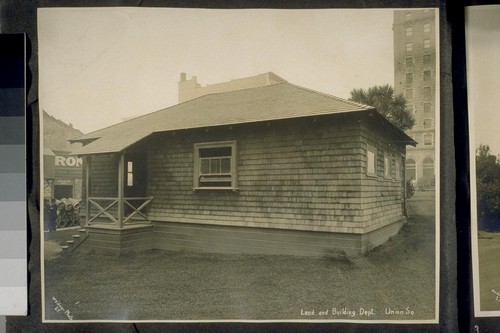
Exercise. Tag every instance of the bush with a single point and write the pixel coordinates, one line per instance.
(410, 189)
(488, 189)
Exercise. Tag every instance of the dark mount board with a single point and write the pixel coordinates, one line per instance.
(20, 16)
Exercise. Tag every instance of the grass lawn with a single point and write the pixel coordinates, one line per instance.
(489, 270)
(163, 285)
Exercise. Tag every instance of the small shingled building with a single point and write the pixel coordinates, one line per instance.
(276, 169)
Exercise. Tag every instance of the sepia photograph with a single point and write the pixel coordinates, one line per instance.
(483, 50)
(263, 165)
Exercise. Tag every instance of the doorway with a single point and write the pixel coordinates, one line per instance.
(136, 179)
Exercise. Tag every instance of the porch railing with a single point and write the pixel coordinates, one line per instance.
(108, 210)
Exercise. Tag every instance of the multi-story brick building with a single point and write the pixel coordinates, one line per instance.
(415, 77)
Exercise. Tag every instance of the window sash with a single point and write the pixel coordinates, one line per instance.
(215, 165)
(427, 75)
(427, 107)
(427, 139)
(371, 163)
(409, 78)
(409, 61)
(387, 166)
(427, 91)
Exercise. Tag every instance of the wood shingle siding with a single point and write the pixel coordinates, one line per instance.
(311, 180)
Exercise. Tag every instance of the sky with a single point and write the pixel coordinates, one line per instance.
(98, 66)
(483, 74)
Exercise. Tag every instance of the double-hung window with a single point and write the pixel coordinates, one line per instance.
(215, 165)
(387, 166)
(371, 161)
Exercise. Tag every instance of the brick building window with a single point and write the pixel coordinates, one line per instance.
(428, 139)
(428, 167)
(409, 93)
(409, 31)
(427, 27)
(411, 169)
(427, 91)
(427, 75)
(427, 107)
(427, 43)
(215, 165)
(427, 59)
(410, 109)
(427, 123)
(409, 61)
(409, 78)
(408, 16)
(409, 47)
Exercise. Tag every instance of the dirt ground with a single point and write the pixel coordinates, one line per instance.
(396, 281)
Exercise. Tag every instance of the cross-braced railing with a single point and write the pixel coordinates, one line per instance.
(109, 207)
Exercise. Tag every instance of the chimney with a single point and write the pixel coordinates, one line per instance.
(188, 88)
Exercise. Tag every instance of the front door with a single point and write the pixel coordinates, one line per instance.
(136, 180)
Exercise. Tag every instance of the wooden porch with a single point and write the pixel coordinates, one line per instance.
(119, 210)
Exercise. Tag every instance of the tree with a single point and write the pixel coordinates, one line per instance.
(391, 106)
(487, 188)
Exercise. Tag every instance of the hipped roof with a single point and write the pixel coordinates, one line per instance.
(267, 103)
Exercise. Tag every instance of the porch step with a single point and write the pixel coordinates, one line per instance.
(75, 241)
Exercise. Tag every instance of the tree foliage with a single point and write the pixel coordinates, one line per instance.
(488, 188)
(390, 105)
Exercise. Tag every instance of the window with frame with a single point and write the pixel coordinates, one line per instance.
(215, 165)
(409, 93)
(409, 61)
(409, 108)
(428, 139)
(427, 91)
(427, 43)
(397, 167)
(428, 167)
(411, 169)
(408, 16)
(409, 31)
(130, 173)
(387, 166)
(371, 161)
(409, 78)
(427, 107)
(427, 123)
(427, 75)
(409, 47)
(427, 59)
(427, 27)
